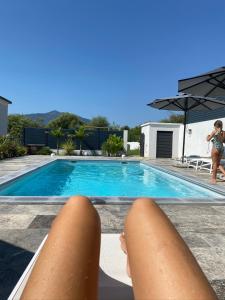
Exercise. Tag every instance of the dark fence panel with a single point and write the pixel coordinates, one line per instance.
(35, 136)
(43, 137)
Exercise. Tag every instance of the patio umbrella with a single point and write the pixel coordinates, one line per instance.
(210, 84)
(187, 103)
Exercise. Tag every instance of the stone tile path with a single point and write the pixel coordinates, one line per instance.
(22, 228)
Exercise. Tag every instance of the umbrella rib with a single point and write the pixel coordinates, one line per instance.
(205, 80)
(213, 84)
(198, 104)
(220, 81)
(172, 102)
(216, 101)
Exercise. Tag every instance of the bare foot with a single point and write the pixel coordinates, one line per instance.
(124, 248)
(213, 181)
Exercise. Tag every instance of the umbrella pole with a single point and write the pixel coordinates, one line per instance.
(185, 119)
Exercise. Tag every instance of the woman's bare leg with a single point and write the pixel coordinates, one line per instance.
(68, 265)
(162, 266)
(221, 167)
(215, 162)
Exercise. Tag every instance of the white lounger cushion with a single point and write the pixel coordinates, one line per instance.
(114, 284)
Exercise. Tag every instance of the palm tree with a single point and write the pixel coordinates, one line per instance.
(80, 135)
(58, 133)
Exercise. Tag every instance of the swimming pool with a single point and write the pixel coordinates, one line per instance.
(103, 178)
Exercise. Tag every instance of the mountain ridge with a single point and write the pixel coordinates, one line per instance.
(49, 116)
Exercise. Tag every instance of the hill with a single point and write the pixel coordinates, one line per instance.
(49, 116)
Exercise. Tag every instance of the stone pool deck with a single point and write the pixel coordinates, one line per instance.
(22, 228)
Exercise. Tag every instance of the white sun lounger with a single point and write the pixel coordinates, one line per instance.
(206, 164)
(194, 163)
(200, 163)
(113, 280)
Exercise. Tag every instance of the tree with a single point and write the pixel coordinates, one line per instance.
(134, 134)
(65, 121)
(16, 124)
(174, 118)
(125, 127)
(114, 126)
(58, 133)
(99, 121)
(80, 135)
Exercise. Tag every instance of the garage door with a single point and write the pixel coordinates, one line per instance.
(164, 144)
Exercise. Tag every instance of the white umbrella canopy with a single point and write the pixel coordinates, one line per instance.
(210, 84)
(187, 103)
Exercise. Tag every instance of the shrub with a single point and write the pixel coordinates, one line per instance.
(135, 152)
(68, 147)
(11, 148)
(113, 146)
(44, 151)
(21, 150)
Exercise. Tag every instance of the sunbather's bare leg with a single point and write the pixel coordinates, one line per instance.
(68, 265)
(124, 248)
(162, 267)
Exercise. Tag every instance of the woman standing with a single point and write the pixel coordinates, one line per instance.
(217, 136)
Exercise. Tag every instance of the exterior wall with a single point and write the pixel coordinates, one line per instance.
(146, 131)
(134, 145)
(196, 143)
(205, 115)
(3, 117)
(125, 139)
(150, 132)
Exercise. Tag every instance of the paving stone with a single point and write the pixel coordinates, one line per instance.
(214, 239)
(6, 209)
(42, 221)
(36, 209)
(212, 264)
(199, 222)
(28, 239)
(10, 221)
(191, 210)
(194, 240)
(219, 287)
(219, 209)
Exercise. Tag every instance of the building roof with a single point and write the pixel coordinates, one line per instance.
(6, 100)
(160, 124)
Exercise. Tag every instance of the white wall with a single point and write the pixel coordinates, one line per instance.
(150, 131)
(145, 129)
(196, 143)
(125, 139)
(3, 117)
(134, 145)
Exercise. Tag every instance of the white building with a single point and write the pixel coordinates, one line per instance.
(4, 115)
(133, 145)
(161, 140)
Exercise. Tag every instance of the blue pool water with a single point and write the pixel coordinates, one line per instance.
(103, 178)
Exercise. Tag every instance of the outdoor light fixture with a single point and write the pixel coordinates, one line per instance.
(189, 131)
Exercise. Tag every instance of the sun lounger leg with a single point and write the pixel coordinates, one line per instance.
(161, 264)
(68, 265)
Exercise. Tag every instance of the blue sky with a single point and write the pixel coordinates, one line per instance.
(105, 57)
